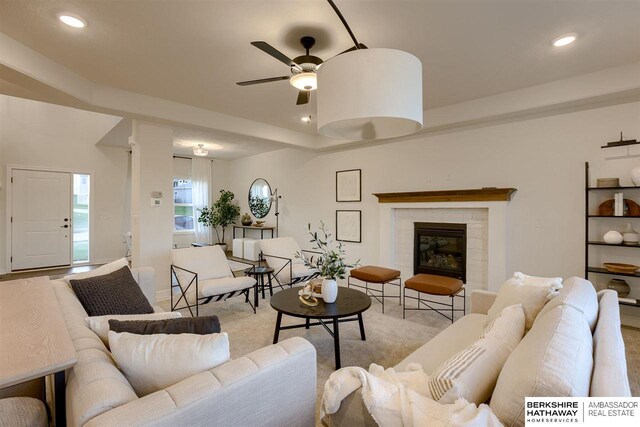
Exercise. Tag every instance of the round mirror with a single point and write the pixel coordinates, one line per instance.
(260, 198)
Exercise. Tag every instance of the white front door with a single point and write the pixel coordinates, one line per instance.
(40, 219)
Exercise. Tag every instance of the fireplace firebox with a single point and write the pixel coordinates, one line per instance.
(441, 249)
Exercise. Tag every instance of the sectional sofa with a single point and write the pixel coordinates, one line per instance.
(249, 390)
(574, 348)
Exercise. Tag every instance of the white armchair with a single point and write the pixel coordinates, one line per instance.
(202, 274)
(280, 254)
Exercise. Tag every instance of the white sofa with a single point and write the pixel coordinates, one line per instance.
(246, 391)
(532, 369)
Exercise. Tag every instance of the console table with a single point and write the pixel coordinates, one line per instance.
(34, 340)
(251, 227)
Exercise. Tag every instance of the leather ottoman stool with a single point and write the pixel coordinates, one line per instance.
(377, 276)
(431, 284)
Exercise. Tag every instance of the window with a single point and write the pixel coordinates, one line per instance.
(80, 222)
(183, 214)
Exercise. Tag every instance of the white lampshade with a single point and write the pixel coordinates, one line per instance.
(370, 94)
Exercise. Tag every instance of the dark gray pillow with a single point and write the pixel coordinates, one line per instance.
(182, 325)
(113, 293)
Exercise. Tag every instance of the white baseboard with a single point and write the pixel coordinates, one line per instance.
(630, 321)
(163, 295)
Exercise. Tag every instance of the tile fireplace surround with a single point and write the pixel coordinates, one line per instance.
(486, 236)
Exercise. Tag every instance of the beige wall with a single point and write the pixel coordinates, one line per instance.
(543, 158)
(36, 134)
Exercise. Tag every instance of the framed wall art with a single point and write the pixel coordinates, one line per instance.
(349, 226)
(349, 185)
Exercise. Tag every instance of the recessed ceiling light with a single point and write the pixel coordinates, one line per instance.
(564, 40)
(306, 119)
(72, 20)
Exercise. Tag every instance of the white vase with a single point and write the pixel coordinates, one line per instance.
(613, 238)
(630, 236)
(329, 290)
(635, 175)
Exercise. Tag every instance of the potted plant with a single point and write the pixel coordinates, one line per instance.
(220, 215)
(330, 263)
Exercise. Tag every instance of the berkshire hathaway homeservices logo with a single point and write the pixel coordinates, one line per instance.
(583, 411)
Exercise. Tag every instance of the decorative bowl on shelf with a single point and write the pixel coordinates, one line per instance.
(259, 223)
(615, 267)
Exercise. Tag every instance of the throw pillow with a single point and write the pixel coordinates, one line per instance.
(472, 373)
(203, 325)
(513, 291)
(100, 271)
(100, 324)
(553, 283)
(113, 293)
(154, 362)
(579, 294)
(554, 359)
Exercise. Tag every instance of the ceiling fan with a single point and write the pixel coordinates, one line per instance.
(303, 68)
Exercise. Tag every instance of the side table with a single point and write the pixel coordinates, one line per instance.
(259, 274)
(34, 340)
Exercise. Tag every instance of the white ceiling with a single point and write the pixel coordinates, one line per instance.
(220, 146)
(193, 52)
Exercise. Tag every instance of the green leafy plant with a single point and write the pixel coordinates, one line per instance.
(331, 262)
(221, 214)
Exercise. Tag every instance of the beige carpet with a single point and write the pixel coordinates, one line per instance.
(389, 338)
(632, 349)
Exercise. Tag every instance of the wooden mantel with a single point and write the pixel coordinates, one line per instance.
(490, 194)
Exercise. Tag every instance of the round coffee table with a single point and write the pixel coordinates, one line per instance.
(348, 307)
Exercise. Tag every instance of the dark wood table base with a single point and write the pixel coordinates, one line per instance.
(335, 333)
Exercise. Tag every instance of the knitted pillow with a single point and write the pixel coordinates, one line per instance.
(183, 325)
(113, 293)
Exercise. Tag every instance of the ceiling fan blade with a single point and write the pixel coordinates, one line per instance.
(303, 97)
(255, 82)
(272, 51)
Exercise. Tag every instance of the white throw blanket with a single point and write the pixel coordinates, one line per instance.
(401, 399)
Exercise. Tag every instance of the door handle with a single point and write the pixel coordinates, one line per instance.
(66, 219)
(64, 226)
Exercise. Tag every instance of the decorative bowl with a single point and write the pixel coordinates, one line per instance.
(615, 267)
(259, 223)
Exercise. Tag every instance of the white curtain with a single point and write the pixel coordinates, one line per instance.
(200, 184)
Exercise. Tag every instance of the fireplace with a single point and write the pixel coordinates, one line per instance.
(441, 249)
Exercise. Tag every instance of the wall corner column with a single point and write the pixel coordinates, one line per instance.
(152, 225)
